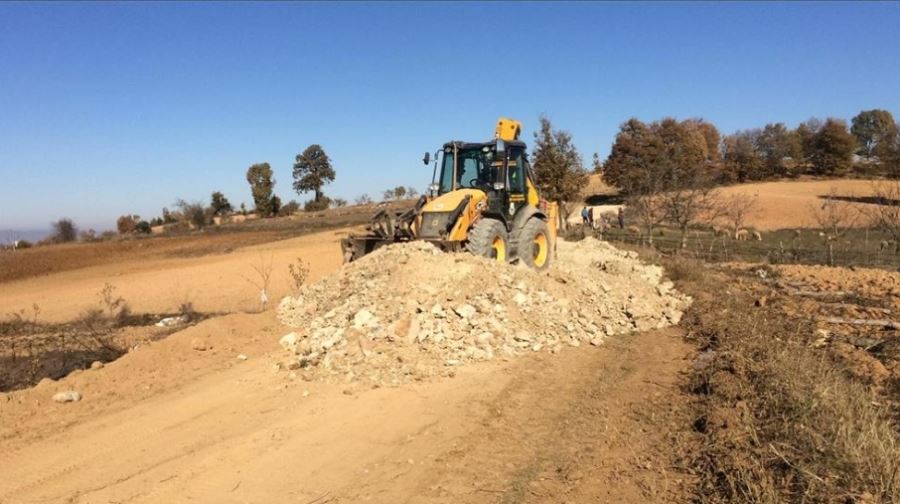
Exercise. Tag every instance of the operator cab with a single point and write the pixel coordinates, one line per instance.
(480, 166)
(497, 168)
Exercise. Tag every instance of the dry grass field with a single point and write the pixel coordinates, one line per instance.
(788, 204)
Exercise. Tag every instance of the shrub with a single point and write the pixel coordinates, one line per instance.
(142, 227)
(126, 224)
(88, 236)
(290, 208)
(193, 213)
(317, 205)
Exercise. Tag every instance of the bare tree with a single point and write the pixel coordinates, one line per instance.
(649, 212)
(885, 213)
(736, 208)
(688, 207)
(835, 217)
(363, 199)
(261, 278)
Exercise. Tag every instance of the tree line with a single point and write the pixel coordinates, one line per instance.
(671, 154)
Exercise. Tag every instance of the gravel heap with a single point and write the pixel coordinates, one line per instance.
(410, 312)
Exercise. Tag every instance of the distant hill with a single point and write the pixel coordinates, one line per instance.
(33, 235)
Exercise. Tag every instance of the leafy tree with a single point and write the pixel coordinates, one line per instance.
(243, 208)
(711, 136)
(363, 199)
(780, 150)
(741, 161)
(411, 192)
(126, 224)
(805, 135)
(399, 192)
(64, 231)
(339, 202)
(664, 155)
(142, 227)
(312, 170)
(220, 204)
(275, 205)
(259, 176)
(874, 130)
(387, 195)
(833, 148)
(557, 166)
(634, 161)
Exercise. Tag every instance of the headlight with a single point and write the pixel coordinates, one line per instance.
(433, 188)
(499, 186)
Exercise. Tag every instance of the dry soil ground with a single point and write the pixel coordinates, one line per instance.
(169, 423)
(213, 282)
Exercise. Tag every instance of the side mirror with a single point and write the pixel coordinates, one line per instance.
(427, 158)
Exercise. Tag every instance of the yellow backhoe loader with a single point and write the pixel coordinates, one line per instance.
(482, 200)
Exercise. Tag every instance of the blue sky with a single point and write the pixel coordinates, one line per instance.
(114, 108)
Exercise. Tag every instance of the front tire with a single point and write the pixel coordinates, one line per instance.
(535, 248)
(488, 238)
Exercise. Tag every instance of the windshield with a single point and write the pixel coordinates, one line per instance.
(475, 170)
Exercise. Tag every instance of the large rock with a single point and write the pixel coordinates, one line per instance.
(67, 396)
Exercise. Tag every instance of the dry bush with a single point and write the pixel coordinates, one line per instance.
(299, 272)
(115, 306)
(682, 269)
(781, 421)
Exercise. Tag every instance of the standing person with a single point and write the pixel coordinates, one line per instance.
(584, 216)
(591, 218)
(621, 216)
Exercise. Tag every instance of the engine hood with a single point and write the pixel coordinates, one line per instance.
(448, 202)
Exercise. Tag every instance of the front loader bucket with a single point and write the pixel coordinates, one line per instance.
(354, 247)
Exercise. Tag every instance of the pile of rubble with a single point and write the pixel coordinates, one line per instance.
(409, 312)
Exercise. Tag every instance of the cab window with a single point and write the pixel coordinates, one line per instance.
(517, 173)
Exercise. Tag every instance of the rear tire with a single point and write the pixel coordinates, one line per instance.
(488, 238)
(534, 247)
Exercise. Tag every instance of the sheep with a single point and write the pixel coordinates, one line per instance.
(757, 236)
(633, 230)
(742, 235)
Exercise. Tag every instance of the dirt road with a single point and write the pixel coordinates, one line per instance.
(583, 426)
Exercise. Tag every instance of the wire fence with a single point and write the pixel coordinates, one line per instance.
(858, 247)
